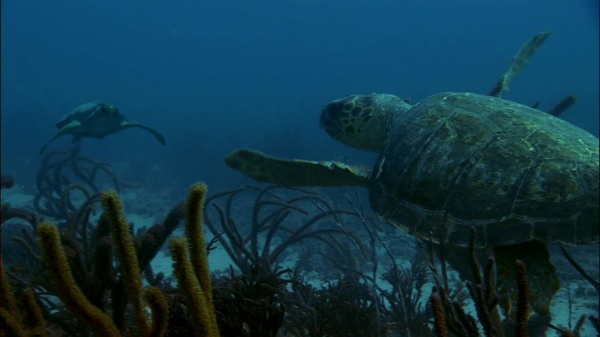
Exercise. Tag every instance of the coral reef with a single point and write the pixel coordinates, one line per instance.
(252, 304)
(450, 316)
(63, 172)
(90, 253)
(346, 307)
(30, 322)
(191, 266)
(276, 223)
(101, 273)
(251, 301)
(97, 296)
(405, 310)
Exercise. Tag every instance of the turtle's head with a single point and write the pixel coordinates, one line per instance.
(103, 110)
(362, 121)
(105, 114)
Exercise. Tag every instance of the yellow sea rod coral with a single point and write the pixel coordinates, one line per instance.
(68, 290)
(127, 257)
(192, 270)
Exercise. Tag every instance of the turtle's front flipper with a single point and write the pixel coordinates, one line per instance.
(65, 130)
(519, 62)
(543, 279)
(294, 172)
(155, 133)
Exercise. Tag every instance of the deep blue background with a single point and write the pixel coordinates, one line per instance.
(217, 75)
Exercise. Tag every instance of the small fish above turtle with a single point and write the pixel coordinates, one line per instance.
(458, 163)
(97, 120)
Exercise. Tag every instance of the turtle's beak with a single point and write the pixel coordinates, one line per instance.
(351, 121)
(331, 115)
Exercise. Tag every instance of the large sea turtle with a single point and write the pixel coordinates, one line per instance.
(96, 120)
(458, 162)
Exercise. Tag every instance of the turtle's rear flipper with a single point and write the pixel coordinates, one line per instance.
(543, 278)
(541, 273)
(155, 133)
(63, 131)
(294, 172)
(519, 62)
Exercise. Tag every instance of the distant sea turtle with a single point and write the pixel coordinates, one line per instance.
(457, 162)
(96, 120)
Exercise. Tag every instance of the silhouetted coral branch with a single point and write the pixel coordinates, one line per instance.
(439, 315)
(290, 220)
(580, 269)
(63, 172)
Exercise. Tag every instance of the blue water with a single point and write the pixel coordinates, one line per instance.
(214, 76)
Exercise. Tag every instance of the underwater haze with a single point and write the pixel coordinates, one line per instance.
(208, 77)
(213, 76)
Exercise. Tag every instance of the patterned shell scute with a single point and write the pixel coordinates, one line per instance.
(79, 113)
(458, 161)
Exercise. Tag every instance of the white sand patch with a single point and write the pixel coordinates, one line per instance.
(162, 263)
(561, 316)
(17, 197)
(218, 260)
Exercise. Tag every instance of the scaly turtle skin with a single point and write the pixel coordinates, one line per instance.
(457, 162)
(96, 120)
